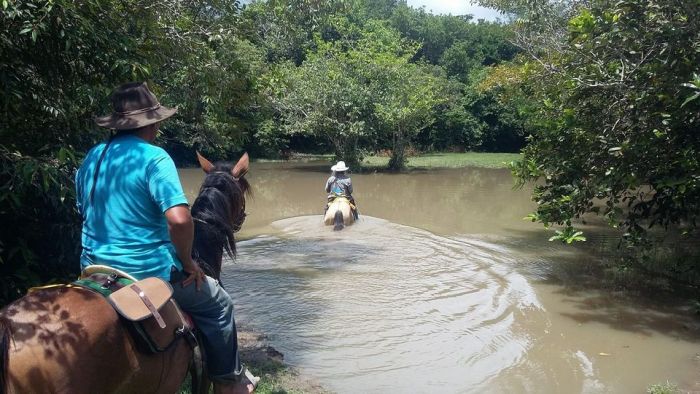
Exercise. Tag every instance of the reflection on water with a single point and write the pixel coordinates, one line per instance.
(464, 307)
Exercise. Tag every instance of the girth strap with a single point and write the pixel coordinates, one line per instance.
(149, 305)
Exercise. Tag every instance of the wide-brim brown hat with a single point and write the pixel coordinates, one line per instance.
(134, 106)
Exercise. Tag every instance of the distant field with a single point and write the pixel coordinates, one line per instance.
(449, 160)
(431, 160)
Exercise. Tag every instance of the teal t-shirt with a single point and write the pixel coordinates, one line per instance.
(124, 225)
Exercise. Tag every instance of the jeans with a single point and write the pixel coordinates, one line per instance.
(211, 308)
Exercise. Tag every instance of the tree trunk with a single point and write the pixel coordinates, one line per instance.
(398, 156)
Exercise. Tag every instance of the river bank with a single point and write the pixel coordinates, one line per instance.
(447, 160)
(419, 161)
(266, 362)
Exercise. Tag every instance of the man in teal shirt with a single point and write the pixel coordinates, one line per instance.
(136, 219)
(124, 223)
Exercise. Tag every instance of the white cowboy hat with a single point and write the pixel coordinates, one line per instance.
(340, 167)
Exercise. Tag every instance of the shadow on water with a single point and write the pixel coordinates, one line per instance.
(639, 316)
(283, 271)
(579, 273)
(292, 265)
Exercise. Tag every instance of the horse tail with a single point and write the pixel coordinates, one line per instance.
(338, 223)
(4, 354)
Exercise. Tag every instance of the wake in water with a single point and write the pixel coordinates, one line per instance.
(390, 308)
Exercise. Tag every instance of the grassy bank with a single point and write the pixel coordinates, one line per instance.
(267, 363)
(428, 160)
(448, 160)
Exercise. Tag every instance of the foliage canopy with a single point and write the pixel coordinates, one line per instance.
(616, 129)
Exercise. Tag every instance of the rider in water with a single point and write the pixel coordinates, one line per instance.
(340, 185)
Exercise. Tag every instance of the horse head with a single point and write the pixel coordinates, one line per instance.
(219, 211)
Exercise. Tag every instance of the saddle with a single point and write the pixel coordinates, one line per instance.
(146, 306)
(334, 197)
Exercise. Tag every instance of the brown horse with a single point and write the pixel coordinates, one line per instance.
(71, 340)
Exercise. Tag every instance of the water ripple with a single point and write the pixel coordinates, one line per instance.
(384, 307)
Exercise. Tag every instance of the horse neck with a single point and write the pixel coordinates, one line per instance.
(212, 211)
(207, 251)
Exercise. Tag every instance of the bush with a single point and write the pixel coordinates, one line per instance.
(40, 235)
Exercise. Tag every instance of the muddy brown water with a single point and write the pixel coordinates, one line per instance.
(441, 286)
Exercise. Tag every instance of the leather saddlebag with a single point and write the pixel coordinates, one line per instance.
(154, 317)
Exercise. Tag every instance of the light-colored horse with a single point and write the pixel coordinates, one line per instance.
(69, 339)
(339, 214)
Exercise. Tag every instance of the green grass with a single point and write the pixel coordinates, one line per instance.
(276, 378)
(428, 160)
(299, 157)
(448, 160)
(663, 388)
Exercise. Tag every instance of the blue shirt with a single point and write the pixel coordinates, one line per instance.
(124, 225)
(339, 184)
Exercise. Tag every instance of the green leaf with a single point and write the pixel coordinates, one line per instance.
(689, 99)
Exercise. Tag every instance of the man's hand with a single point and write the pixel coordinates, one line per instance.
(196, 274)
(181, 229)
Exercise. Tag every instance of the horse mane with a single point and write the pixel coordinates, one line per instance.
(4, 354)
(221, 199)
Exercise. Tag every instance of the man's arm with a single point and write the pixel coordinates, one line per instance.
(328, 184)
(181, 229)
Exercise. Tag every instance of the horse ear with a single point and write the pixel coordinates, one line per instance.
(241, 167)
(204, 163)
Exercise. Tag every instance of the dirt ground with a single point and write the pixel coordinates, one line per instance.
(267, 363)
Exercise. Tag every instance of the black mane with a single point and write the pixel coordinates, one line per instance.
(217, 212)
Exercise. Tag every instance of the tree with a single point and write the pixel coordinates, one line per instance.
(617, 132)
(477, 117)
(357, 85)
(60, 60)
(285, 29)
(409, 95)
(217, 93)
(324, 98)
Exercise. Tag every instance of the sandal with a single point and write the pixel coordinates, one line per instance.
(251, 378)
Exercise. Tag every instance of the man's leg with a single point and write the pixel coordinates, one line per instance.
(355, 211)
(328, 203)
(211, 308)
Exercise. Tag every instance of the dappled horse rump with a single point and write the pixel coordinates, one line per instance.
(152, 334)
